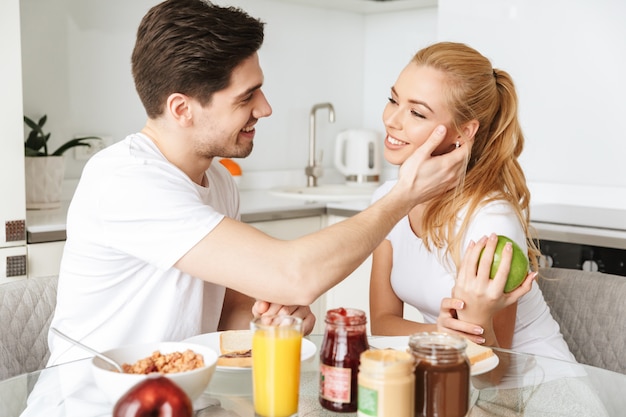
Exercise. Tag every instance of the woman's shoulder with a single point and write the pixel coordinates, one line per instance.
(495, 216)
(490, 208)
(496, 206)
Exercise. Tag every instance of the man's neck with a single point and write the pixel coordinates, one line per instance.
(183, 159)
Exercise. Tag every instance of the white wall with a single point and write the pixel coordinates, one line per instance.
(391, 40)
(568, 58)
(310, 55)
(12, 193)
(77, 70)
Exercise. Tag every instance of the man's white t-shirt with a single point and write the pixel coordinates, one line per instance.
(132, 217)
(422, 278)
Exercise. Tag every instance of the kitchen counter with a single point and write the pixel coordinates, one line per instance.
(594, 226)
(579, 216)
(46, 225)
(347, 209)
(262, 205)
(256, 206)
(558, 222)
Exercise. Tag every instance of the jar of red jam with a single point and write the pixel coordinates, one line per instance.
(345, 338)
(442, 375)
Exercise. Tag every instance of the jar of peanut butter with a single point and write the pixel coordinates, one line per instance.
(386, 384)
(442, 375)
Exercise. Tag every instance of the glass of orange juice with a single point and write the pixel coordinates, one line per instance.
(276, 344)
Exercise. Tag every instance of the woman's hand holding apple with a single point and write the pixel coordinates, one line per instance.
(482, 296)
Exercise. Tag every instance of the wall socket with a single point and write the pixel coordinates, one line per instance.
(83, 153)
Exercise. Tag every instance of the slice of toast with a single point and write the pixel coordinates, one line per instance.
(476, 353)
(235, 348)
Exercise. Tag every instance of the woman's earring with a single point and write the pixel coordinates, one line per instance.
(457, 144)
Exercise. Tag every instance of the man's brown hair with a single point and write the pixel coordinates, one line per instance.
(190, 47)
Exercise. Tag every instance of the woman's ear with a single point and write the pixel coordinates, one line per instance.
(470, 128)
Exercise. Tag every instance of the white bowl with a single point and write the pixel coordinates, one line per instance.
(115, 384)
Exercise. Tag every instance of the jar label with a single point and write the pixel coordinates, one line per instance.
(368, 402)
(335, 383)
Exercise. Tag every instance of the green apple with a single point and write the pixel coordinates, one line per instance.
(519, 264)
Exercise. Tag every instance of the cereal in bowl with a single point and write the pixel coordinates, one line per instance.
(166, 364)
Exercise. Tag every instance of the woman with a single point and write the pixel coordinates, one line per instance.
(430, 258)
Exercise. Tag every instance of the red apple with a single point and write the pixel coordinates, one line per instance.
(156, 396)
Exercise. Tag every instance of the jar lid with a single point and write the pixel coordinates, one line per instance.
(346, 316)
(432, 344)
(387, 361)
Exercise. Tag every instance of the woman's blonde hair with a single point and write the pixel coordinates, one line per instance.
(475, 90)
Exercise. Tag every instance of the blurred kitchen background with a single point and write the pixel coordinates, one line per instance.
(568, 58)
(70, 59)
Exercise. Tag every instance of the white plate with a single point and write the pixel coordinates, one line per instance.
(485, 365)
(212, 340)
(402, 343)
(389, 342)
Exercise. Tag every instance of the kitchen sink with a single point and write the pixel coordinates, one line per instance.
(328, 192)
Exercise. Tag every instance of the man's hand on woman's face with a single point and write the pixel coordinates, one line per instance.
(427, 176)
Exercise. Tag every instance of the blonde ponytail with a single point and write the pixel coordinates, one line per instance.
(475, 90)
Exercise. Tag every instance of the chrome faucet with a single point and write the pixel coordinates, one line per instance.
(314, 169)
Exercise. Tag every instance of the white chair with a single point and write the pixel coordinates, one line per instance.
(590, 307)
(26, 308)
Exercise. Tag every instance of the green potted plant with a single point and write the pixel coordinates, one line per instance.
(44, 170)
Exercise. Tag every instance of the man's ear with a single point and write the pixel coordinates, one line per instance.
(470, 128)
(179, 108)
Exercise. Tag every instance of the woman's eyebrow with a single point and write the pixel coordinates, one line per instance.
(413, 101)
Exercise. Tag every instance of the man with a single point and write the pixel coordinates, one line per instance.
(155, 250)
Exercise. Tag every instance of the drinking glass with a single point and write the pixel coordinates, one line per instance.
(276, 345)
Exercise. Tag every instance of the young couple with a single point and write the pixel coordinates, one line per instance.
(155, 249)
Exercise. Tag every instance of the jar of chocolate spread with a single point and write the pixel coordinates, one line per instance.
(345, 338)
(442, 375)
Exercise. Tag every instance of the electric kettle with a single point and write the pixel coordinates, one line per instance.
(357, 155)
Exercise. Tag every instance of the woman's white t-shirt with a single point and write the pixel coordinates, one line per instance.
(132, 217)
(422, 278)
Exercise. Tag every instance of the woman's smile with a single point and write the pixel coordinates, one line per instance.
(393, 142)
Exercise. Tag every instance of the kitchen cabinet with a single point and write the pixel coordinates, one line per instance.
(353, 291)
(45, 240)
(289, 229)
(12, 195)
(44, 259)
